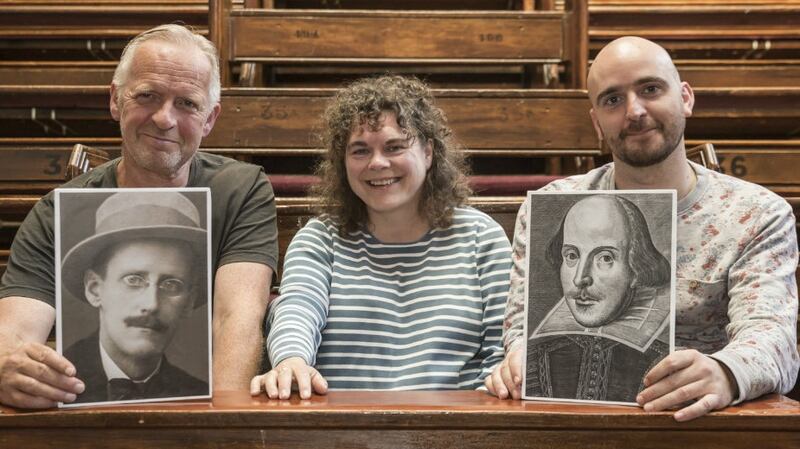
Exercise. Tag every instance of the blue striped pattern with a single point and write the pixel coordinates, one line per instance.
(424, 315)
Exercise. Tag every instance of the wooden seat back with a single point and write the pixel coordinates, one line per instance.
(707, 29)
(522, 123)
(746, 73)
(771, 163)
(76, 30)
(389, 38)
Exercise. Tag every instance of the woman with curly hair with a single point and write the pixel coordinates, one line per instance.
(396, 285)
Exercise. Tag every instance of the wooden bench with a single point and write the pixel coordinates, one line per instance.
(56, 111)
(51, 30)
(67, 73)
(79, 42)
(503, 131)
(507, 132)
(510, 122)
(384, 38)
(275, 121)
(771, 163)
(740, 72)
(745, 113)
(450, 5)
(716, 30)
(519, 119)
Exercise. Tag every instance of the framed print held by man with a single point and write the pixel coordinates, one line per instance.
(600, 293)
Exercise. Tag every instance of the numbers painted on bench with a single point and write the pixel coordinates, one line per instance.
(278, 113)
(736, 167)
(516, 114)
(53, 166)
(307, 34)
(491, 37)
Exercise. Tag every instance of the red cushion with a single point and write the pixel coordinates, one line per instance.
(509, 184)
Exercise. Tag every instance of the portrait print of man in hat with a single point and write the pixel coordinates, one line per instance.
(144, 270)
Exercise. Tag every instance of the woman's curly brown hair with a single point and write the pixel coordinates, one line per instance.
(363, 102)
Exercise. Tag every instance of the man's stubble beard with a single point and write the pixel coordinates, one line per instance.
(165, 164)
(644, 157)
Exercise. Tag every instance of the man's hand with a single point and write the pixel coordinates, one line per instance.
(35, 376)
(506, 379)
(32, 375)
(686, 376)
(278, 381)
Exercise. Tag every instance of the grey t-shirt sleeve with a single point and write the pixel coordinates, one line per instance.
(31, 266)
(249, 226)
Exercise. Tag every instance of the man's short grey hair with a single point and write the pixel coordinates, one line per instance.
(178, 35)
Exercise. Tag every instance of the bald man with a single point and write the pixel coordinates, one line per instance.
(736, 252)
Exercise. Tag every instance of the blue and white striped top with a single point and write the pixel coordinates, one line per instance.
(411, 316)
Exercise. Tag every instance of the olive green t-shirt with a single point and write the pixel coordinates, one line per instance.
(243, 225)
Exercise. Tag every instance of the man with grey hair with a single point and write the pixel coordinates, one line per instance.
(736, 254)
(165, 94)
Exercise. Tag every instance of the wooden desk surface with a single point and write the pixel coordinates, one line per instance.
(463, 419)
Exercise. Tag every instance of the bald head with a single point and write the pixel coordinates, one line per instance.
(627, 53)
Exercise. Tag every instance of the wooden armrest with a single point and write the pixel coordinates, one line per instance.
(83, 159)
(705, 155)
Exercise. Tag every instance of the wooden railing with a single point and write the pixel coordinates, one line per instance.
(396, 420)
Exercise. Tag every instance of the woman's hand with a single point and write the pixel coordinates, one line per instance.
(278, 382)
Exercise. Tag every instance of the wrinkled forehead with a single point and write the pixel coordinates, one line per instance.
(596, 221)
(171, 63)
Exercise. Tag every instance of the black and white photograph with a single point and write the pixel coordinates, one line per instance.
(134, 287)
(600, 293)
